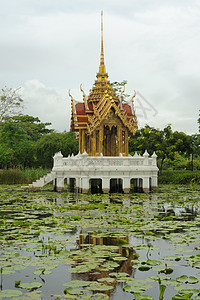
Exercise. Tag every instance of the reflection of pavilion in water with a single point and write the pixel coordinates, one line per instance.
(125, 266)
(186, 213)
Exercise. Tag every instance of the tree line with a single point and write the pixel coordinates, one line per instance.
(26, 142)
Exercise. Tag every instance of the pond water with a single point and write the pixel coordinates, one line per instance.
(69, 246)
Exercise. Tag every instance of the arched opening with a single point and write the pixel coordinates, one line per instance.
(71, 187)
(116, 185)
(136, 185)
(110, 141)
(96, 185)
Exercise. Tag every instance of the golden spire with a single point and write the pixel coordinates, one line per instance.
(102, 53)
(102, 68)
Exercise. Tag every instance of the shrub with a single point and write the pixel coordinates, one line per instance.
(179, 177)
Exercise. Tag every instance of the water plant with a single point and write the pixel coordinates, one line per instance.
(92, 246)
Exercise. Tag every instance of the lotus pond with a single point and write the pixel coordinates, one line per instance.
(69, 246)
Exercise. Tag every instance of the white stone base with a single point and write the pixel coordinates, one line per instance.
(90, 172)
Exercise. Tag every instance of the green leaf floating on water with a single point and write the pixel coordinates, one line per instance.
(77, 283)
(183, 278)
(99, 296)
(119, 275)
(183, 289)
(42, 272)
(97, 286)
(187, 279)
(144, 268)
(142, 297)
(182, 297)
(72, 291)
(136, 289)
(30, 285)
(106, 279)
(10, 293)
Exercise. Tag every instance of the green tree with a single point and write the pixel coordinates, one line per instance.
(33, 127)
(10, 103)
(16, 149)
(54, 142)
(118, 87)
(164, 142)
(18, 137)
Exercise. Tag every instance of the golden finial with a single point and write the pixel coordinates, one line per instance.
(84, 98)
(72, 102)
(121, 98)
(133, 97)
(122, 91)
(102, 53)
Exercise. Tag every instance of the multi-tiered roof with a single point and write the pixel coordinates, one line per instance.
(89, 114)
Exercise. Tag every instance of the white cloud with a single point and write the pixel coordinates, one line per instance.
(49, 104)
(154, 45)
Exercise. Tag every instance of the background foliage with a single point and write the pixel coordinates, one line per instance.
(27, 143)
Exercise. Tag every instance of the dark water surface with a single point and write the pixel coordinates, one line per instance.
(69, 246)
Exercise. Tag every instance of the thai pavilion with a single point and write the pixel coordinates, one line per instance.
(103, 124)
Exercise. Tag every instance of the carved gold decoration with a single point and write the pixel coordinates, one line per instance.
(84, 97)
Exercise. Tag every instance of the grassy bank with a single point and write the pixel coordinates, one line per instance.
(16, 176)
(179, 177)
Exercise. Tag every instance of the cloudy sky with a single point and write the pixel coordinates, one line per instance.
(48, 47)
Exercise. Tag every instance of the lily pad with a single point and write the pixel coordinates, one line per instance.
(144, 268)
(186, 279)
(182, 297)
(136, 289)
(99, 296)
(97, 286)
(77, 283)
(30, 285)
(142, 297)
(72, 291)
(10, 293)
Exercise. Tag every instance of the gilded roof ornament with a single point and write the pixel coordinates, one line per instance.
(72, 102)
(84, 97)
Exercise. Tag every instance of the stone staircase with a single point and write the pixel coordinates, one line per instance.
(40, 182)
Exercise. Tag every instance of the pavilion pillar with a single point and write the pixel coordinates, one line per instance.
(119, 137)
(126, 143)
(154, 182)
(126, 185)
(101, 139)
(146, 184)
(105, 185)
(59, 184)
(80, 140)
(78, 184)
(93, 150)
(85, 185)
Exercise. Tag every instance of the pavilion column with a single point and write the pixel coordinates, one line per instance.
(105, 185)
(85, 185)
(146, 184)
(126, 185)
(93, 150)
(154, 182)
(59, 186)
(80, 140)
(101, 140)
(78, 184)
(119, 137)
(126, 143)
